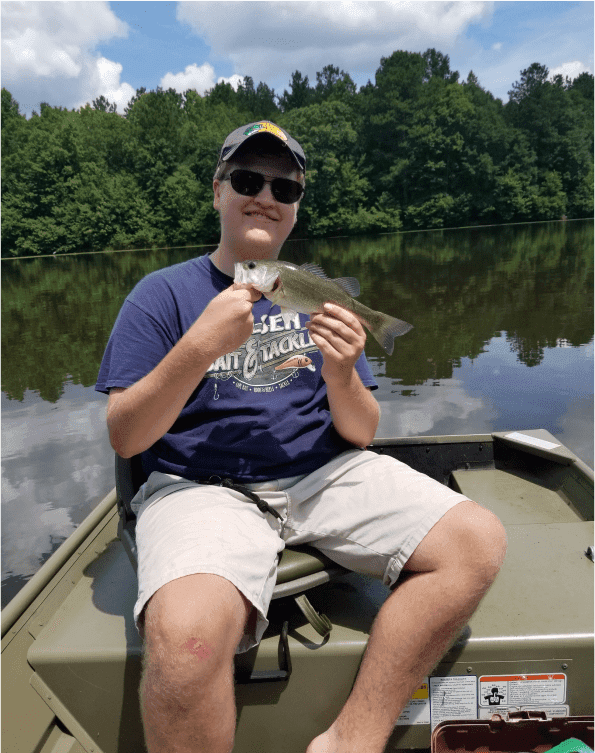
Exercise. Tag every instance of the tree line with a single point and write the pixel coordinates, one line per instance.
(416, 149)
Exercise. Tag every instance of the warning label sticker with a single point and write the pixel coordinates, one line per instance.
(417, 711)
(470, 697)
(453, 698)
(550, 711)
(522, 690)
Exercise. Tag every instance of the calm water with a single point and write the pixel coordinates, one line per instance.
(503, 339)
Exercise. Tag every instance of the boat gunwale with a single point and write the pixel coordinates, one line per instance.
(17, 606)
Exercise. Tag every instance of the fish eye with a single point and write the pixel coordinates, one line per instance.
(251, 265)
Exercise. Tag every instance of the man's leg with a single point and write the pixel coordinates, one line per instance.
(447, 575)
(192, 628)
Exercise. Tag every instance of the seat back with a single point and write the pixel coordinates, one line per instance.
(129, 478)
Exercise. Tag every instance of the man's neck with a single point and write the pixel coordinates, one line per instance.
(223, 265)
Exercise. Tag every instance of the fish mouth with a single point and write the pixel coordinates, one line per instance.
(276, 285)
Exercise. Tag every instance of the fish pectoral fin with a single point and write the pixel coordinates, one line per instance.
(288, 315)
(276, 294)
(349, 284)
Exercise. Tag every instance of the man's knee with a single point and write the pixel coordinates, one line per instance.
(192, 627)
(482, 541)
(468, 538)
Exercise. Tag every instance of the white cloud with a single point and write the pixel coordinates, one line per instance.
(48, 53)
(570, 70)
(269, 40)
(104, 78)
(497, 46)
(201, 78)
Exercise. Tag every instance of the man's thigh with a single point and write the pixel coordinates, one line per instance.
(206, 530)
(368, 512)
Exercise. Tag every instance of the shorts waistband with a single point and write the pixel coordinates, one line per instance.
(275, 485)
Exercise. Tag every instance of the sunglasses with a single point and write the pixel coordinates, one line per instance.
(249, 183)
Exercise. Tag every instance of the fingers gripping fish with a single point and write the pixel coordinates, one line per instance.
(306, 289)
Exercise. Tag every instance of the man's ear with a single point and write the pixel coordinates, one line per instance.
(216, 194)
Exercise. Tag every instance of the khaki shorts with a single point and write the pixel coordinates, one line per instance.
(365, 511)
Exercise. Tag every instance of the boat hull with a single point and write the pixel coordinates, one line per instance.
(72, 656)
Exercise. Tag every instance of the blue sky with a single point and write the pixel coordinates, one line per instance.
(68, 53)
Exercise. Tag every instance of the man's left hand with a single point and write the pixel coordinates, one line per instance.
(340, 338)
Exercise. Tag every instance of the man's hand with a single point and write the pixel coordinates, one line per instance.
(226, 323)
(340, 338)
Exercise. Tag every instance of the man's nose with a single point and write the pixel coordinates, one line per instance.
(265, 194)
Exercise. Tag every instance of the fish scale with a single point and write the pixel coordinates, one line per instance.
(307, 288)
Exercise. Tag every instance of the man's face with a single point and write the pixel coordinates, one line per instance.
(255, 227)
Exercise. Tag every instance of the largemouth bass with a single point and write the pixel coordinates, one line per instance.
(307, 288)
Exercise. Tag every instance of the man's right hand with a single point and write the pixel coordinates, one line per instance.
(141, 414)
(226, 323)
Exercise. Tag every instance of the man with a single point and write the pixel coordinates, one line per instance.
(200, 380)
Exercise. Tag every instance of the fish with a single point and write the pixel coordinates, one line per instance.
(295, 362)
(305, 289)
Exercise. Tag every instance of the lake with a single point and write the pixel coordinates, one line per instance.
(502, 340)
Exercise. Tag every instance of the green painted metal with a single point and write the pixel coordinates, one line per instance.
(72, 657)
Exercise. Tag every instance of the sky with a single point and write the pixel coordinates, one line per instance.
(69, 53)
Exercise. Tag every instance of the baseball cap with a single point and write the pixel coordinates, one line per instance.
(263, 127)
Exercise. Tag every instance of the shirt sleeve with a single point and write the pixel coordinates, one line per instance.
(365, 372)
(138, 342)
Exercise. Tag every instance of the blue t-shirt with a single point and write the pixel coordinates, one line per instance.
(261, 412)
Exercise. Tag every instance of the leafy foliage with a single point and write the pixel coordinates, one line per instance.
(416, 149)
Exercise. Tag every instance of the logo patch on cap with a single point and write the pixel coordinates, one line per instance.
(268, 127)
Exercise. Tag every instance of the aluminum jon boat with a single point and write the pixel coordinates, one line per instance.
(71, 656)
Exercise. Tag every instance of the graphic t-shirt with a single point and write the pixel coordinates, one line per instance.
(260, 412)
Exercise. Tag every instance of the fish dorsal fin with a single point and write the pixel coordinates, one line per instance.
(314, 269)
(349, 284)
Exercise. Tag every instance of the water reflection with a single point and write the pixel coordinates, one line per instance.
(503, 333)
(57, 464)
(497, 392)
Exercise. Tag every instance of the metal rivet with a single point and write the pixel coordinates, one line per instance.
(564, 666)
(469, 670)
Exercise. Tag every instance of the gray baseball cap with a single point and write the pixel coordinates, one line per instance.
(263, 127)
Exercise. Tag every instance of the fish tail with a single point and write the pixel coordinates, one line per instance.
(387, 328)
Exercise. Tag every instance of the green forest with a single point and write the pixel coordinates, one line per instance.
(417, 149)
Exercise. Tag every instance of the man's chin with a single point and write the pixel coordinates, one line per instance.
(260, 244)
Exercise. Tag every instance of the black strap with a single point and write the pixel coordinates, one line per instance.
(230, 484)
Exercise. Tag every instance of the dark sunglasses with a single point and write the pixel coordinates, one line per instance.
(249, 183)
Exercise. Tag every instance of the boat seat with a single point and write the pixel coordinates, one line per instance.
(299, 569)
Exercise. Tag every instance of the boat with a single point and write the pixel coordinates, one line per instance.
(71, 655)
